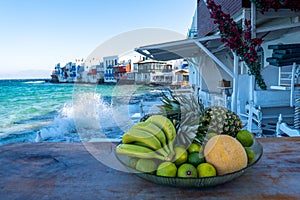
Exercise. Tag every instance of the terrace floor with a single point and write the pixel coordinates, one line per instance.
(71, 171)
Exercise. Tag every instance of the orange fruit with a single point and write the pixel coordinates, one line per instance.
(225, 153)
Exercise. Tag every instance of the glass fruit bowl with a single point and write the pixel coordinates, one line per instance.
(194, 182)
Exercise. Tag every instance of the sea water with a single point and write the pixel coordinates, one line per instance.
(37, 111)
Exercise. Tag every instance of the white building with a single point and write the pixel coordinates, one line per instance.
(152, 71)
(210, 61)
(108, 63)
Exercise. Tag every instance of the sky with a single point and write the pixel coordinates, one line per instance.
(37, 34)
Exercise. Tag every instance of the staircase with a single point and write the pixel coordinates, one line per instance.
(289, 71)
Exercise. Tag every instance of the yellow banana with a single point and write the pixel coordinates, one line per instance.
(166, 125)
(145, 138)
(137, 151)
(154, 130)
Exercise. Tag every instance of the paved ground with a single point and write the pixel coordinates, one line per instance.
(69, 171)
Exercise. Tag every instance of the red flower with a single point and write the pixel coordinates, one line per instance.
(238, 41)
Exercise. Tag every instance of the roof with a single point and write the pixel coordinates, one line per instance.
(149, 61)
(186, 49)
(175, 49)
(183, 72)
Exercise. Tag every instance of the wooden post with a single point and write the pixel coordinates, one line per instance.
(252, 81)
(235, 84)
(253, 35)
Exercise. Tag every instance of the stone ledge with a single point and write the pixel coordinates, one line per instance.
(69, 171)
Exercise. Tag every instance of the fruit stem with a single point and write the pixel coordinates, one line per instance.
(169, 158)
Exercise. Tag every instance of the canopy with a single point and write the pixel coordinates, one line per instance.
(186, 49)
(174, 50)
(193, 47)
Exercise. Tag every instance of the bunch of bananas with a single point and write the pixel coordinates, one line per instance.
(152, 138)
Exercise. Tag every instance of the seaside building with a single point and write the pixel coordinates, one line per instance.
(55, 73)
(92, 75)
(212, 63)
(93, 71)
(129, 69)
(122, 72)
(152, 71)
(181, 77)
(80, 70)
(108, 63)
(67, 73)
(100, 72)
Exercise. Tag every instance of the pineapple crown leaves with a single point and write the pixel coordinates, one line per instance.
(188, 110)
(170, 105)
(193, 121)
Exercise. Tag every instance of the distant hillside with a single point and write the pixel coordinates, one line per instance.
(27, 74)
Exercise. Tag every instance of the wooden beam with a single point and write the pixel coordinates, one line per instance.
(207, 38)
(278, 27)
(220, 63)
(253, 19)
(278, 14)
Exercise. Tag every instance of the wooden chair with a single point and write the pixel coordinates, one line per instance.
(282, 127)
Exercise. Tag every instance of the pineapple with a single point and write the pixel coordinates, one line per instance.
(193, 122)
(219, 120)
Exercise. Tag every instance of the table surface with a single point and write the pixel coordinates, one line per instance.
(80, 171)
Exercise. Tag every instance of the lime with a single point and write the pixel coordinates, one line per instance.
(132, 162)
(187, 170)
(168, 169)
(196, 158)
(195, 148)
(210, 135)
(145, 165)
(250, 154)
(206, 170)
(245, 138)
(180, 155)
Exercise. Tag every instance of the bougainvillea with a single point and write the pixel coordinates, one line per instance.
(239, 40)
(265, 5)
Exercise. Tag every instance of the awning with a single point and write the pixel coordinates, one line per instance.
(174, 50)
(195, 47)
(185, 49)
(171, 50)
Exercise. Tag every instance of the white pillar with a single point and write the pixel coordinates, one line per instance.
(252, 80)
(235, 84)
(253, 35)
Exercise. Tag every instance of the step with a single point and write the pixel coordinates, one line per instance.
(285, 79)
(279, 87)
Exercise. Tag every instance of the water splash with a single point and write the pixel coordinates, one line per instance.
(62, 128)
(87, 118)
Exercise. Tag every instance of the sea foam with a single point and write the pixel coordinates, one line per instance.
(89, 118)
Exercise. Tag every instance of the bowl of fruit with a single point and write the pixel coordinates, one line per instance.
(209, 151)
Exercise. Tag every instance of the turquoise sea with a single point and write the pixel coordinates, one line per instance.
(35, 110)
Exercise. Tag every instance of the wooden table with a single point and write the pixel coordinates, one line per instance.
(70, 171)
